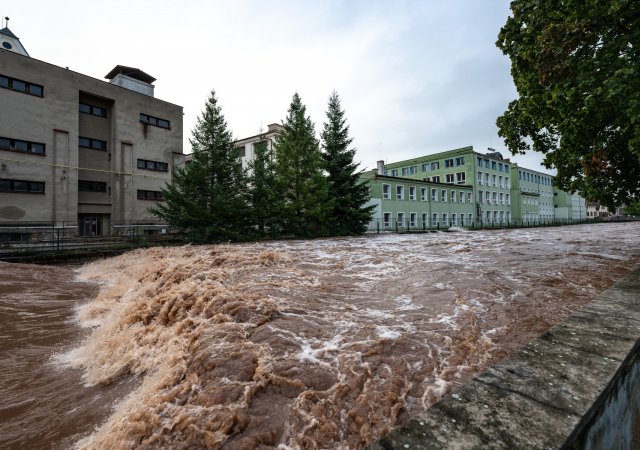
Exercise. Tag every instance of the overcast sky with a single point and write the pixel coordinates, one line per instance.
(415, 77)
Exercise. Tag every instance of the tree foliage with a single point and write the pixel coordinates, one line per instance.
(263, 196)
(303, 189)
(208, 196)
(348, 215)
(576, 66)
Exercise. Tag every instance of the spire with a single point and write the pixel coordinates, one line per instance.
(9, 41)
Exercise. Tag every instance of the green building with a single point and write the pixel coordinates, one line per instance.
(408, 203)
(532, 196)
(569, 207)
(488, 175)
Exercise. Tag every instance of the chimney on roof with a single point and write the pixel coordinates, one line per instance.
(132, 78)
(381, 167)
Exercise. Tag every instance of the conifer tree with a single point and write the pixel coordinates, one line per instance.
(298, 167)
(208, 196)
(349, 214)
(262, 188)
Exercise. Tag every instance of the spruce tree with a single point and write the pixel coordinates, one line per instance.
(262, 188)
(209, 196)
(349, 214)
(300, 181)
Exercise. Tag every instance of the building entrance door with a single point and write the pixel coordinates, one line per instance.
(90, 225)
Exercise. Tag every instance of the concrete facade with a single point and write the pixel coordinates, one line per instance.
(89, 151)
(532, 194)
(246, 146)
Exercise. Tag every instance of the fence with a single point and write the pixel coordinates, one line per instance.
(46, 237)
(404, 225)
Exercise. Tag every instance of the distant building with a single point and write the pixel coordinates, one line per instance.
(532, 195)
(407, 203)
(597, 211)
(247, 146)
(78, 150)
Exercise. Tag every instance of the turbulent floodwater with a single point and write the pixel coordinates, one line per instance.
(301, 344)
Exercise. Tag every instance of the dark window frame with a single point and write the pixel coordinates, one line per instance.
(93, 110)
(92, 186)
(155, 121)
(29, 88)
(30, 186)
(92, 143)
(156, 166)
(144, 194)
(30, 146)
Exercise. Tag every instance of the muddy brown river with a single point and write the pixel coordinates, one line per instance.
(301, 344)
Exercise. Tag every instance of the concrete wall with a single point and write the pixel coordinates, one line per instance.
(55, 120)
(575, 387)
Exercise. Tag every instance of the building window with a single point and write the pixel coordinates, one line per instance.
(448, 162)
(434, 195)
(486, 179)
(241, 152)
(454, 219)
(494, 178)
(499, 167)
(453, 196)
(92, 186)
(470, 197)
(412, 192)
(21, 86)
(501, 198)
(448, 178)
(405, 171)
(493, 165)
(470, 216)
(413, 217)
(500, 181)
(480, 178)
(394, 173)
(423, 194)
(443, 195)
(480, 196)
(435, 165)
(486, 163)
(93, 110)
(461, 177)
(400, 192)
(386, 217)
(445, 219)
(150, 195)
(495, 198)
(425, 167)
(461, 197)
(22, 186)
(434, 219)
(436, 179)
(413, 170)
(460, 161)
(386, 191)
(153, 165)
(155, 121)
(400, 220)
(95, 144)
(17, 145)
(479, 161)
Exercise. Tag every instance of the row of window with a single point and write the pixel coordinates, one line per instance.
(534, 178)
(95, 144)
(99, 111)
(153, 165)
(17, 145)
(155, 121)
(401, 220)
(426, 167)
(493, 180)
(93, 110)
(21, 86)
(493, 165)
(452, 196)
(37, 187)
(22, 186)
(494, 198)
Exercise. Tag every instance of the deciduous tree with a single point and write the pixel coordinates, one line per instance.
(576, 66)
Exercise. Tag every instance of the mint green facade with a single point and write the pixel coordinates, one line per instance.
(489, 175)
(405, 203)
(532, 195)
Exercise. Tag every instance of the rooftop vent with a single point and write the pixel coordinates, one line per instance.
(132, 78)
